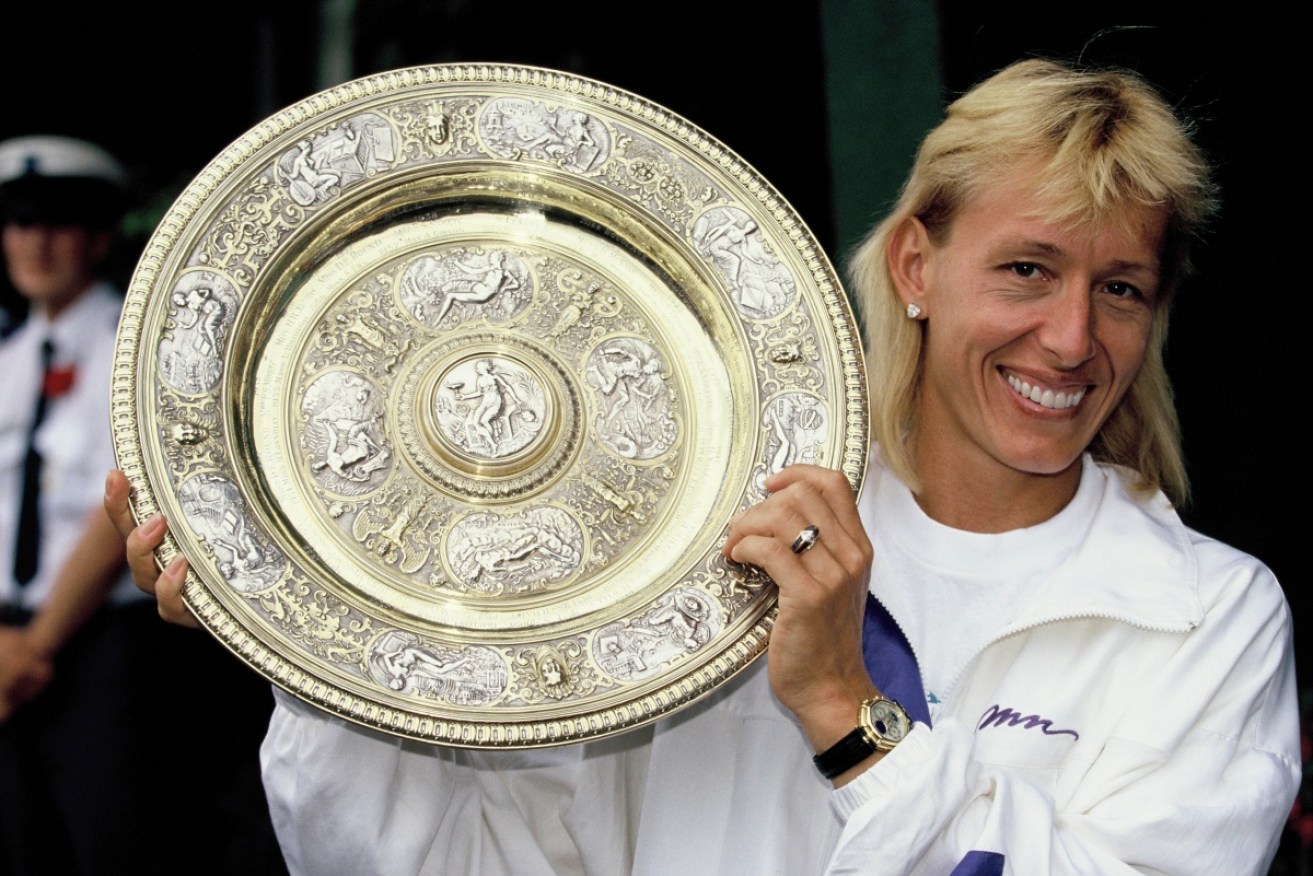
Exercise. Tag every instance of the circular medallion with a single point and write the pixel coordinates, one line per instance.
(486, 408)
(450, 380)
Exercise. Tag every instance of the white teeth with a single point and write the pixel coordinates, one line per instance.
(1046, 398)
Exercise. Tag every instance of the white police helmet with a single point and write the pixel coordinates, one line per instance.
(58, 157)
(60, 181)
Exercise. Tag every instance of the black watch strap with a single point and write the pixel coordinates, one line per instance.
(845, 754)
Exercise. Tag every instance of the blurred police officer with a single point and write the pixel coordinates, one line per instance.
(72, 626)
(66, 611)
(99, 699)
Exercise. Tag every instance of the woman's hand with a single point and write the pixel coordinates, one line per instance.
(815, 657)
(165, 586)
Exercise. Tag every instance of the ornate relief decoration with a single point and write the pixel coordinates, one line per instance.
(450, 379)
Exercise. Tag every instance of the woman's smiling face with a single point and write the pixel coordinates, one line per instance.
(1034, 329)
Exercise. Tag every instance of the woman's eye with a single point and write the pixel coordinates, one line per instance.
(1025, 270)
(1122, 290)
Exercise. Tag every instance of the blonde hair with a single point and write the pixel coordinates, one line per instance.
(1102, 141)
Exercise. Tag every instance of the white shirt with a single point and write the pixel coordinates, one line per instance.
(74, 440)
(953, 591)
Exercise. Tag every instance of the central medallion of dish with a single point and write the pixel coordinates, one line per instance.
(490, 417)
(486, 412)
(488, 408)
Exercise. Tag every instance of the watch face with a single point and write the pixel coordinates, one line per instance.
(888, 722)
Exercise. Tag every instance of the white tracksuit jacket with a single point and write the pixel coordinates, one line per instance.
(1140, 716)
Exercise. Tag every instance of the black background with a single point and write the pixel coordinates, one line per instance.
(168, 95)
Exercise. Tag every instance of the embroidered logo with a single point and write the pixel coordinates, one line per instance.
(1000, 716)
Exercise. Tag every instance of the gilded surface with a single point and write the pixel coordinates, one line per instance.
(450, 379)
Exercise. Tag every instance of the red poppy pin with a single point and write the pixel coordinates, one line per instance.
(59, 380)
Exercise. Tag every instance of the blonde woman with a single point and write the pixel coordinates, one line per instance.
(1008, 655)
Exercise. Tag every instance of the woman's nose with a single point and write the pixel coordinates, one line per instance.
(1068, 328)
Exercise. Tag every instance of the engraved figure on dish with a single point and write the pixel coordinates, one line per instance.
(478, 284)
(573, 144)
(554, 675)
(494, 553)
(681, 623)
(213, 507)
(495, 411)
(412, 663)
(206, 322)
(798, 429)
(397, 528)
(470, 676)
(367, 334)
(187, 433)
(732, 241)
(436, 125)
(305, 175)
(551, 672)
(568, 137)
(636, 419)
(202, 307)
(493, 284)
(343, 432)
(316, 169)
(245, 558)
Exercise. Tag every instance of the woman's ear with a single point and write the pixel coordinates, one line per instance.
(907, 254)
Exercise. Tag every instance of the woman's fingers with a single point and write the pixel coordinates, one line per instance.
(116, 502)
(803, 497)
(168, 594)
(141, 542)
(815, 651)
(831, 488)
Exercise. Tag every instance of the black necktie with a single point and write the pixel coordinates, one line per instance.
(27, 556)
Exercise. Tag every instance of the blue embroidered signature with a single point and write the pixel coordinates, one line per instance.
(999, 716)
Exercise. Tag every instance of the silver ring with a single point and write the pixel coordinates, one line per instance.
(806, 540)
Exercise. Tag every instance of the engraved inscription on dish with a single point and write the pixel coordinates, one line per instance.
(202, 307)
(468, 676)
(489, 407)
(217, 513)
(318, 167)
(566, 136)
(343, 433)
(491, 554)
(681, 622)
(760, 284)
(636, 408)
(463, 283)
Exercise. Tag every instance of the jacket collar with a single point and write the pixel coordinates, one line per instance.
(1110, 554)
(1137, 563)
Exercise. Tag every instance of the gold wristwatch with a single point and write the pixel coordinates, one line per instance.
(881, 724)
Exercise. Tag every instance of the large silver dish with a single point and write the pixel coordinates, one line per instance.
(449, 380)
